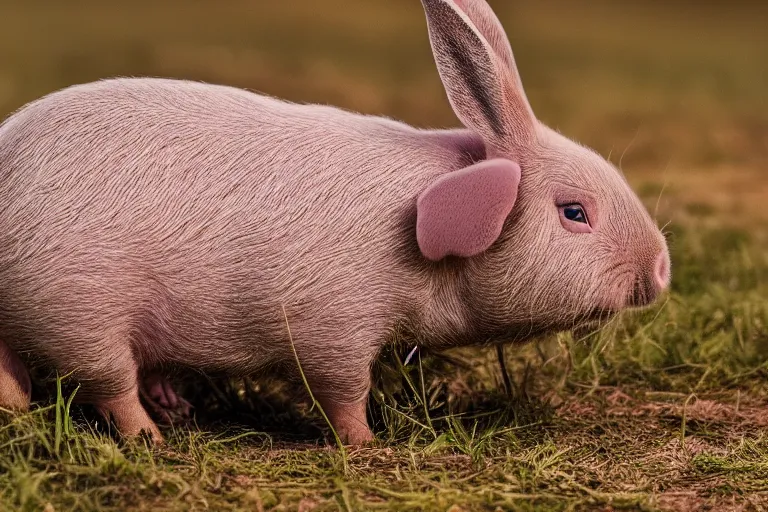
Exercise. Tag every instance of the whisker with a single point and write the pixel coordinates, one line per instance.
(621, 160)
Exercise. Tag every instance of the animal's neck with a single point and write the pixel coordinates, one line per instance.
(449, 317)
(444, 319)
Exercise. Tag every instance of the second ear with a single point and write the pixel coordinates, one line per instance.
(463, 212)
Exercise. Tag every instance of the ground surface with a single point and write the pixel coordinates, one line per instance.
(664, 410)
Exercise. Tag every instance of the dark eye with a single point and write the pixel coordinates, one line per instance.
(575, 213)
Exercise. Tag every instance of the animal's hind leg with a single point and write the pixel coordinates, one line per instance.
(115, 393)
(108, 379)
(15, 385)
(158, 392)
(129, 416)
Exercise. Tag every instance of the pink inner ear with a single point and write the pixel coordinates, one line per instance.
(462, 213)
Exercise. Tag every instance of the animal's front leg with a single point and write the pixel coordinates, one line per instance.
(342, 390)
(349, 420)
(337, 368)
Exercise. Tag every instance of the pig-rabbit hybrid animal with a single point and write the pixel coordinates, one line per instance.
(147, 224)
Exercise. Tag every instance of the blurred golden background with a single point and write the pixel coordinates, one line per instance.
(674, 91)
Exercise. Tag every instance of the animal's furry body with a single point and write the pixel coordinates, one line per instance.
(149, 223)
(183, 216)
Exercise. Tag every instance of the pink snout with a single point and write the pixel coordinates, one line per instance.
(661, 272)
(651, 282)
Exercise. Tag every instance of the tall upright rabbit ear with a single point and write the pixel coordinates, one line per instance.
(478, 70)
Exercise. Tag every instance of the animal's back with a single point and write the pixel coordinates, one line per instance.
(170, 221)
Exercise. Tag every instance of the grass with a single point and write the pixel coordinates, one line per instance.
(662, 410)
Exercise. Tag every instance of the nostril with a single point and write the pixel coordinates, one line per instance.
(661, 271)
